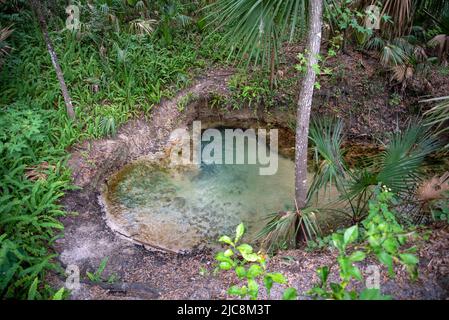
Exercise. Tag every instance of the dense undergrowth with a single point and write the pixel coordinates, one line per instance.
(127, 76)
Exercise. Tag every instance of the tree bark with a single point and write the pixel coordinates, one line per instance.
(305, 102)
(54, 59)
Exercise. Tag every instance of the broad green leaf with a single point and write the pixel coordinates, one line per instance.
(33, 289)
(240, 230)
(374, 241)
(59, 294)
(226, 239)
(225, 265)
(245, 248)
(390, 245)
(387, 260)
(234, 291)
(290, 294)
(251, 257)
(228, 253)
(355, 272)
(240, 272)
(253, 289)
(254, 271)
(357, 256)
(268, 282)
(351, 235)
(278, 277)
(220, 256)
(337, 240)
(409, 259)
(373, 294)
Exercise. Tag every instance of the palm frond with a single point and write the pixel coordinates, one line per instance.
(361, 180)
(375, 43)
(434, 7)
(438, 116)
(280, 231)
(5, 33)
(401, 12)
(327, 138)
(142, 26)
(254, 29)
(283, 229)
(184, 20)
(402, 73)
(400, 164)
(441, 42)
(392, 55)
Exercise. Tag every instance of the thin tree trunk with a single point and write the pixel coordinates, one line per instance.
(54, 59)
(305, 102)
(272, 67)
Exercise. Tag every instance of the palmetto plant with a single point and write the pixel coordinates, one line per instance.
(399, 166)
(99, 22)
(171, 17)
(285, 229)
(438, 116)
(142, 26)
(415, 61)
(107, 126)
(441, 41)
(103, 19)
(403, 56)
(254, 31)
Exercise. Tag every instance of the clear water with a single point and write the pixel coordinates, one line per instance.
(181, 209)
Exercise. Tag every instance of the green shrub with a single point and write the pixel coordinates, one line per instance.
(32, 180)
(380, 236)
(250, 267)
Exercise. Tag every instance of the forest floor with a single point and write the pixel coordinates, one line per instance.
(146, 274)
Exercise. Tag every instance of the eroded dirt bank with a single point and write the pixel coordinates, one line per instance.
(143, 274)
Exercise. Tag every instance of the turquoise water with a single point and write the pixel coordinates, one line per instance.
(180, 209)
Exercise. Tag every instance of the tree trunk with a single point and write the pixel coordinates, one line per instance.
(54, 59)
(272, 66)
(305, 102)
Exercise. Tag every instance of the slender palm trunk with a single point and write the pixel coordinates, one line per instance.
(272, 67)
(54, 59)
(305, 102)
